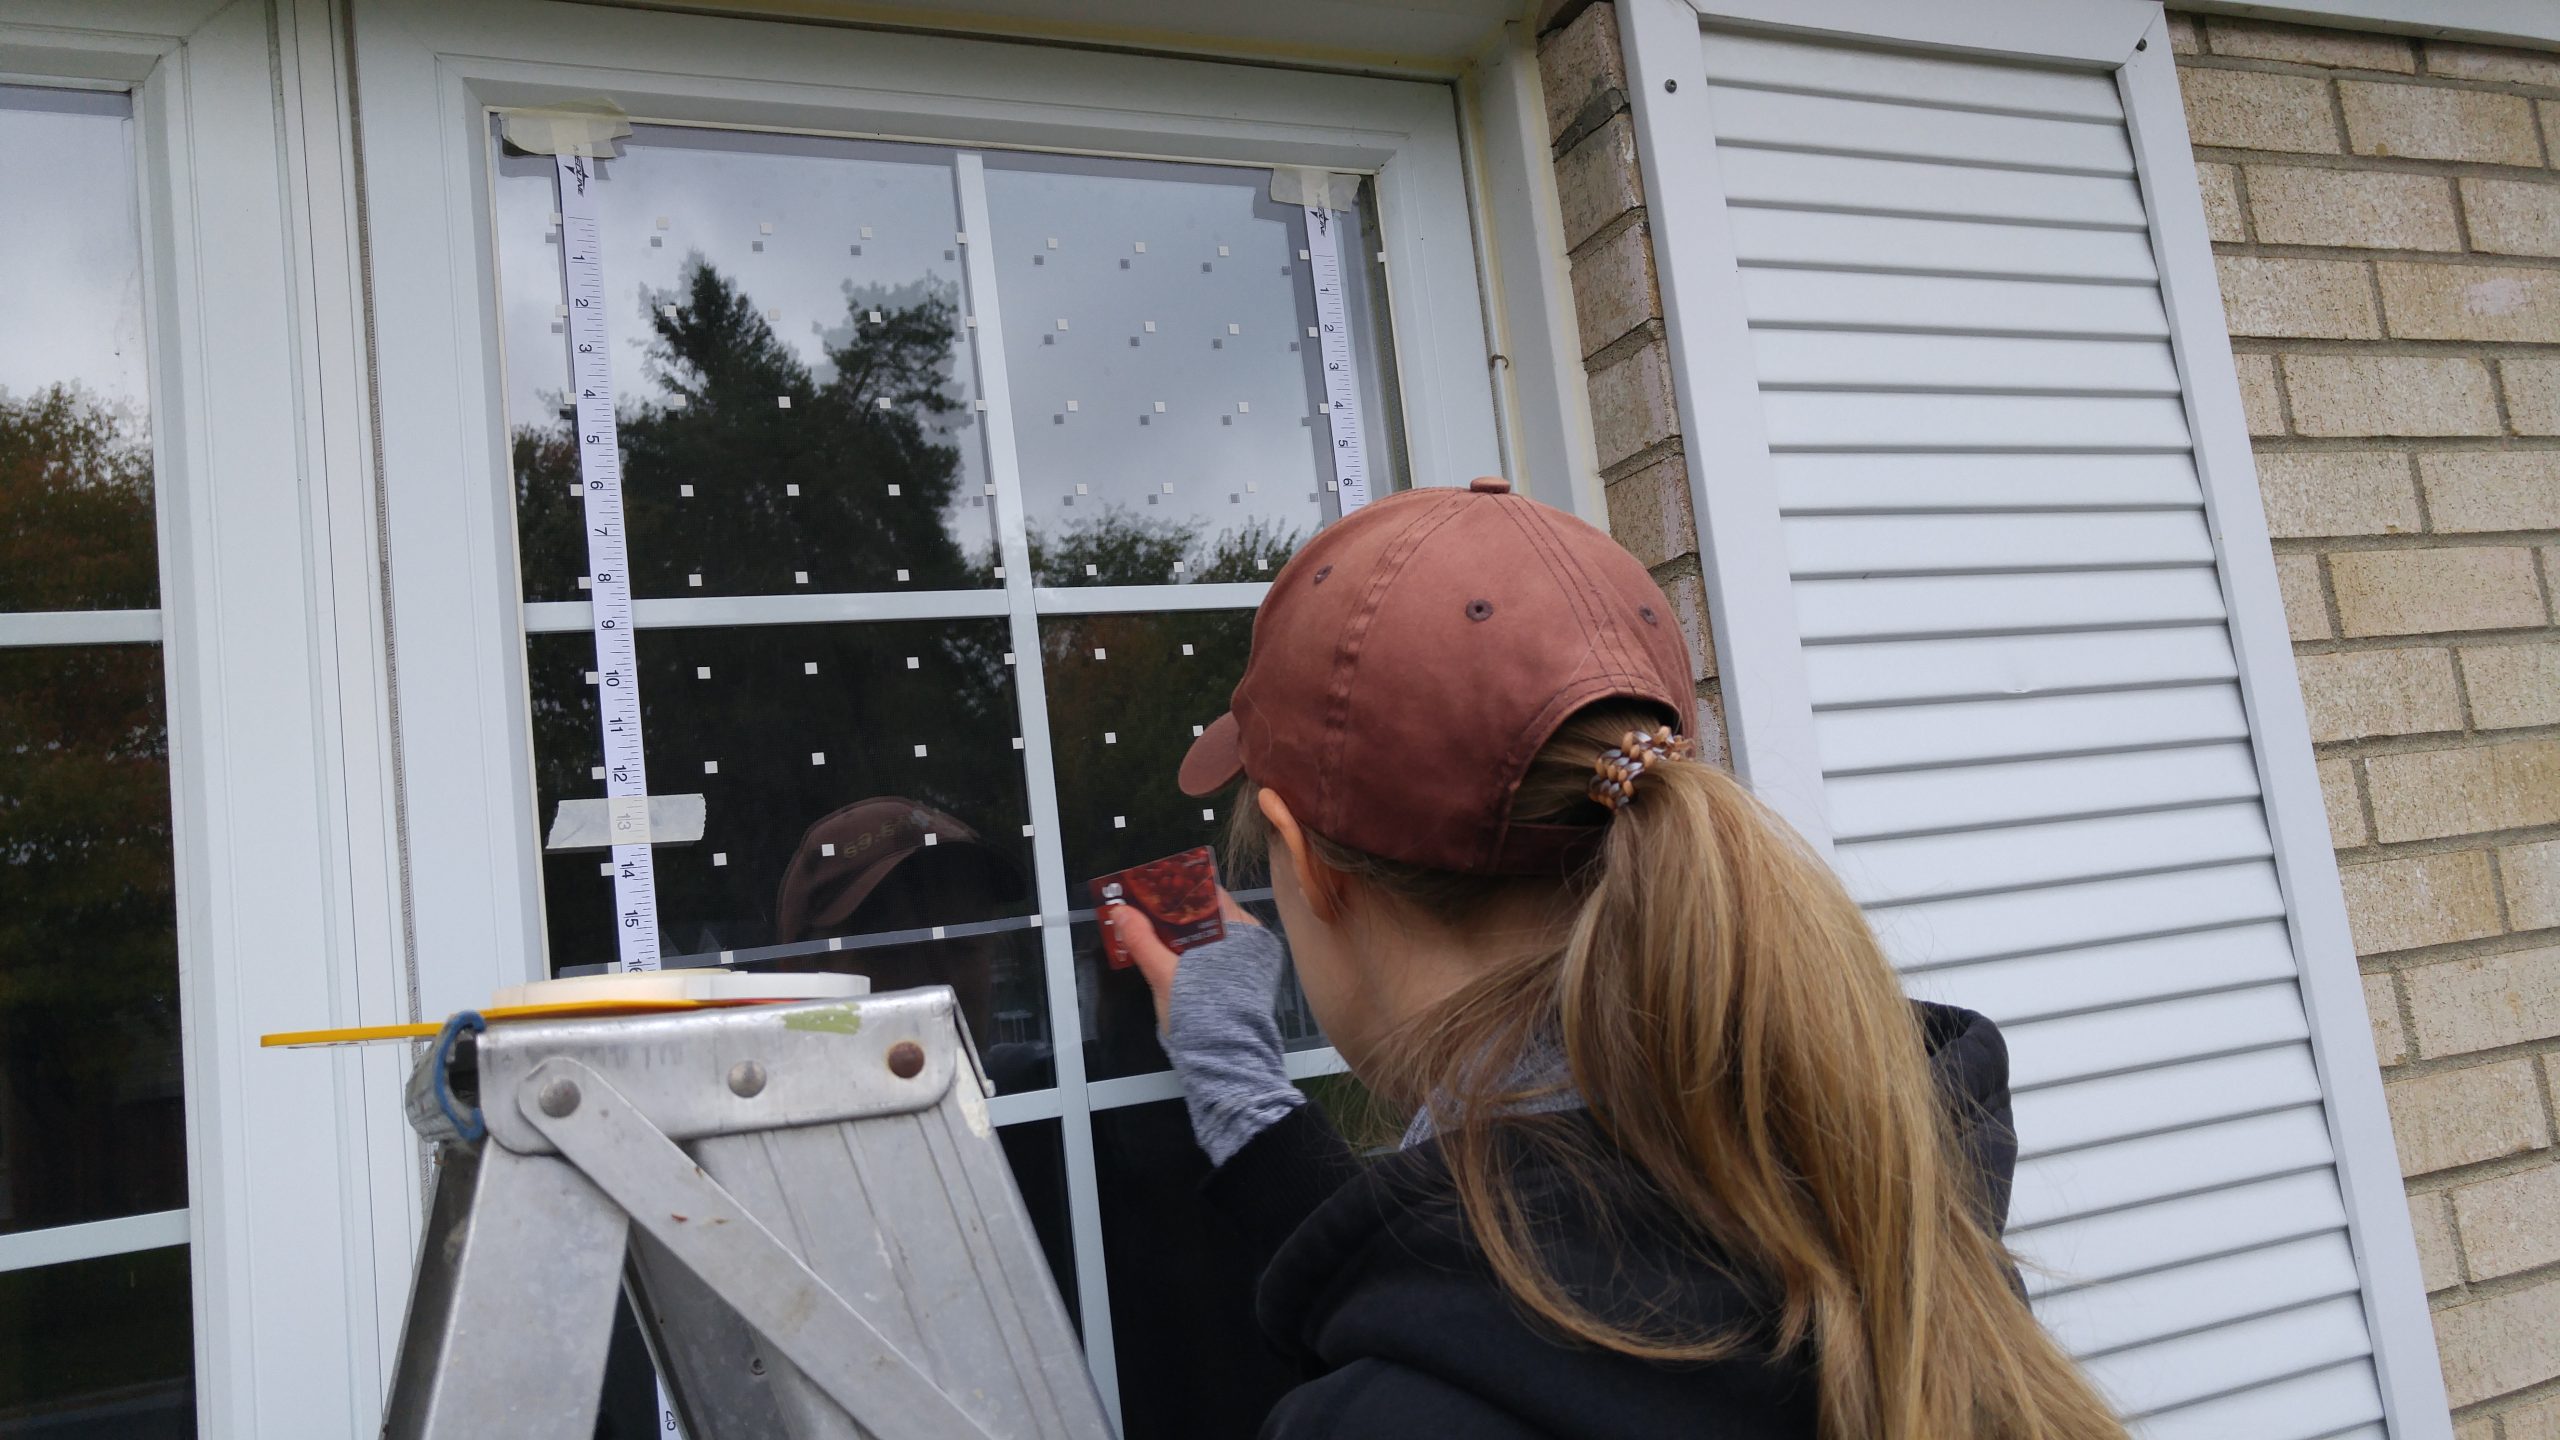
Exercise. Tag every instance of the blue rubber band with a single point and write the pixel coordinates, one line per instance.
(466, 1122)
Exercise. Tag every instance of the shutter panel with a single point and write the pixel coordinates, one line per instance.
(2035, 759)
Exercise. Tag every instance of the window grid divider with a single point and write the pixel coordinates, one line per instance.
(1066, 1021)
(27, 629)
(94, 1239)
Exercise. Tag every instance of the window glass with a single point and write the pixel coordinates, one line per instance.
(792, 367)
(1168, 395)
(92, 1114)
(76, 530)
(828, 635)
(99, 1349)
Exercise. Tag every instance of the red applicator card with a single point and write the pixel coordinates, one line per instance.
(1179, 893)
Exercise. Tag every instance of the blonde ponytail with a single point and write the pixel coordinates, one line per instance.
(1735, 1031)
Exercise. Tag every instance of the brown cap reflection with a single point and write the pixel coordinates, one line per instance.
(849, 854)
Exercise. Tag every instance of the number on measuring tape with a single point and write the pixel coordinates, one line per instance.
(1341, 365)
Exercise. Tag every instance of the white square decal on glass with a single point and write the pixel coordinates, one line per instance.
(596, 773)
(1093, 570)
(719, 857)
(1159, 407)
(1244, 407)
(893, 492)
(1026, 832)
(710, 767)
(594, 679)
(764, 227)
(828, 849)
(1234, 329)
(1017, 742)
(667, 310)
(1302, 254)
(1053, 242)
(1151, 327)
(694, 580)
(1008, 657)
(1142, 246)
(932, 839)
(884, 402)
(1222, 252)
(685, 490)
(1119, 822)
(902, 577)
(1311, 332)
(1098, 653)
(919, 752)
(1186, 649)
(875, 317)
(701, 672)
(1081, 490)
(1168, 487)
(1199, 730)
(817, 757)
(790, 489)
(809, 667)
(782, 402)
(1062, 322)
(585, 583)
(915, 662)
(605, 869)
(1071, 405)
(1208, 814)
(662, 222)
(799, 577)
(1110, 737)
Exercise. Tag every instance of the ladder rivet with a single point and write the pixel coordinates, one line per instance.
(746, 1078)
(559, 1097)
(906, 1059)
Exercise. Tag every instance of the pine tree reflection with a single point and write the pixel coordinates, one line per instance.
(91, 1121)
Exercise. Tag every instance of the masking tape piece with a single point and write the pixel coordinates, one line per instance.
(1301, 185)
(573, 127)
(596, 824)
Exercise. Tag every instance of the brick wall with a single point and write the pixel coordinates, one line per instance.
(2386, 217)
(1618, 307)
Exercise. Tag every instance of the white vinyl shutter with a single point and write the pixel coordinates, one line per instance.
(2024, 713)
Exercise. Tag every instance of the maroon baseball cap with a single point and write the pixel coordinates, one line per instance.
(1413, 658)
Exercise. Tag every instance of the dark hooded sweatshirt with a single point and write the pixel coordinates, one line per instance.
(1402, 1333)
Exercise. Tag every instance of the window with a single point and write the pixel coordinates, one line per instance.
(952, 477)
(95, 1330)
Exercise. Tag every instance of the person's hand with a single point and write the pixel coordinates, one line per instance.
(1156, 960)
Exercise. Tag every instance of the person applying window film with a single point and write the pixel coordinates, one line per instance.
(1681, 1158)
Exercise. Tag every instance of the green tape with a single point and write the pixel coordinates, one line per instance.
(832, 1019)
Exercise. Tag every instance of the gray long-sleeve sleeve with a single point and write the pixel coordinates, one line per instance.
(1224, 1039)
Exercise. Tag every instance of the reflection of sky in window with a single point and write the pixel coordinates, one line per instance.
(849, 220)
(1184, 364)
(1156, 321)
(69, 234)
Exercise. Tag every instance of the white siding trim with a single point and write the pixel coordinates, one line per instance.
(2395, 1297)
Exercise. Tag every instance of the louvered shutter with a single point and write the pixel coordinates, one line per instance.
(2023, 720)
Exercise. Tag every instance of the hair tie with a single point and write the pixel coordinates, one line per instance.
(1613, 778)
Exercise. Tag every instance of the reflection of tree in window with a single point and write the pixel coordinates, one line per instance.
(90, 1115)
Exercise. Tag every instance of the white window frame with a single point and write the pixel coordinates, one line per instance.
(429, 72)
(286, 854)
(1753, 609)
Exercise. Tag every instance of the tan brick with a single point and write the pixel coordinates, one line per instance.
(2420, 592)
(2421, 900)
(2511, 1223)
(2357, 693)
(2253, 110)
(2346, 806)
(2183, 39)
(2537, 1421)
(2461, 1117)
(2550, 112)
(1613, 287)
(2306, 614)
(2382, 1010)
(2435, 122)
(2532, 876)
(2438, 1261)
(1597, 180)
(2469, 302)
(2370, 209)
(1579, 64)
(2507, 785)
(2499, 1343)
(2488, 62)
(2478, 1427)
(2512, 685)
(2533, 392)
(2337, 493)
(2485, 1002)
(2390, 395)
(1631, 405)
(2297, 299)
(2258, 395)
(2221, 187)
(1688, 596)
(2303, 45)
(2492, 490)
(1650, 514)
(2512, 217)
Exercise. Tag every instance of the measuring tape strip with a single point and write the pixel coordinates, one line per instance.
(1341, 363)
(626, 766)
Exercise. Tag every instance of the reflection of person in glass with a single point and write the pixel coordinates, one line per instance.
(1681, 1159)
(884, 872)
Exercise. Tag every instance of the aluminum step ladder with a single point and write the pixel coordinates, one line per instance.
(808, 1205)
